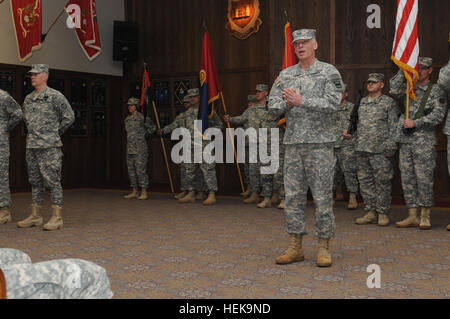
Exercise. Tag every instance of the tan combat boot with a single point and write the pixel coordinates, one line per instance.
(275, 199)
(294, 252)
(133, 194)
(35, 219)
(55, 221)
(425, 222)
(189, 198)
(383, 219)
(352, 202)
(323, 255)
(281, 206)
(5, 215)
(369, 218)
(266, 203)
(144, 195)
(247, 193)
(180, 195)
(254, 197)
(199, 195)
(211, 200)
(411, 221)
(339, 194)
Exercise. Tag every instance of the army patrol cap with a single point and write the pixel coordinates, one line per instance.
(376, 77)
(252, 98)
(193, 92)
(133, 101)
(39, 68)
(262, 88)
(303, 34)
(425, 61)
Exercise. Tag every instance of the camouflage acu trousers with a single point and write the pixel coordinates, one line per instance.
(199, 183)
(196, 173)
(44, 171)
(417, 164)
(137, 169)
(375, 174)
(5, 196)
(309, 166)
(346, 170)
(56, 279)
(278, 178)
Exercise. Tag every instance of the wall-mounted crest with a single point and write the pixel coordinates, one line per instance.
(243, 18)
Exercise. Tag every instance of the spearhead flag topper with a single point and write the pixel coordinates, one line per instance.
(405, 51)
(209, 83)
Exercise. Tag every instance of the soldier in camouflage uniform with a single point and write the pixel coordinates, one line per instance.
(137, 149)
(10, 116)
(278, 178)
(47, 115)
(251, 101)
(187, 120)
(444, 83)
(268, 122)
(345, 153)
(308, 93)
(252, 117)
(199, 182)
(375, 147)
(418, 145)
(56, 279)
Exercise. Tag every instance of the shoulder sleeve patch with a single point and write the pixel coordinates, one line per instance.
(337, 81)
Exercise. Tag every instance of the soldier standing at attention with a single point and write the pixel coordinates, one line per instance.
(208, 170)
(47, 115)
(253, 117)
(418, 141)
(444, 83)
(345, 154)
(137, 149)
(375, 148)
(10, 116)
(308, 93)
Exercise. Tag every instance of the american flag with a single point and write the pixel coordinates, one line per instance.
(405, 52)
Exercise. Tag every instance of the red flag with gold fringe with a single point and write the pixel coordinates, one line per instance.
(27, 18)
(87, 34)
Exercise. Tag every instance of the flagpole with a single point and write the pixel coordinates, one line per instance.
(52, 25)
(232, 142)
(163, 147)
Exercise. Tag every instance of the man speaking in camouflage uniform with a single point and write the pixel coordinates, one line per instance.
(187, 120)
(56, 279)
(10, 116)
(345, 153)
(444, 83)
(308, 93)
(137, 149)
(253, 117)
(418, 141)
(48, 115)
(375, 147)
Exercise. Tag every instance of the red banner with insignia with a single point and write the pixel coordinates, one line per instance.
(87, 30)
(27, 18)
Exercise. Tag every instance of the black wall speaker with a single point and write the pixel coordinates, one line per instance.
(125, 41)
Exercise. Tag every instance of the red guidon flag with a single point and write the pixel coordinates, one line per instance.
(86, 26)
(27, 18)
(289, 58)
(405, 52)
